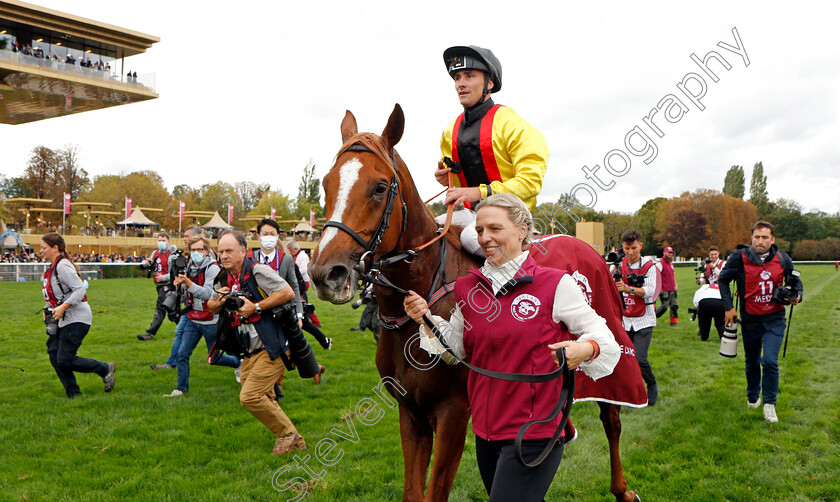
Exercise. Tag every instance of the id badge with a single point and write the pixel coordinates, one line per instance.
(252, 331)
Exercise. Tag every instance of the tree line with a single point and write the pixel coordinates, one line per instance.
(51, 173)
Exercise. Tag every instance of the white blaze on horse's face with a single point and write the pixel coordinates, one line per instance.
(348, 174)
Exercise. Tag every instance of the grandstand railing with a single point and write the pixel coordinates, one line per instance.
(91, 271)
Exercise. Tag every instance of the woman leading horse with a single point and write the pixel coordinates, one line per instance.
(377, 223)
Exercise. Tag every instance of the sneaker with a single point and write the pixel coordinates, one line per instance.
(674, 321)
(110, 378)
(770, 413)
(145, 337)
(287, 443)
(238, 375)
(158, 367)
(329, 344)
(753, 405)
(175, 393)
(357, 328)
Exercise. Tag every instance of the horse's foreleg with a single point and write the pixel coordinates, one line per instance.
(610, 417)
(450, 425)
(416, 434)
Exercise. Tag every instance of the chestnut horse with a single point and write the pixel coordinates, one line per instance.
(376, 213)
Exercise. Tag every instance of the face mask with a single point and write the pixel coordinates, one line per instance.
(268, 241)
(161, 245)
(197, 257)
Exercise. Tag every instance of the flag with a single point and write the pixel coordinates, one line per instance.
(273, 214)
(66, 203)
(127, 207)
(312, 218)
(230, 214)
(182, 205)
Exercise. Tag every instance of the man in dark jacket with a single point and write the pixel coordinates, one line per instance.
(759, 270)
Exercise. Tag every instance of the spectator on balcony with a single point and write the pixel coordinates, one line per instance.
(70, 59)
(27, 49)
(39, 53)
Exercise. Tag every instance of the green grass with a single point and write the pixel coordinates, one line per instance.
(698, 443)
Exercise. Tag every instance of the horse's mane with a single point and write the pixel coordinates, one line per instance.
(368, 140)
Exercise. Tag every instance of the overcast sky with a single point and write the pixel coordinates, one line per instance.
(253, 90)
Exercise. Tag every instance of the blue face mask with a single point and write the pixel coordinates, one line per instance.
(161, 245)
(197, 257)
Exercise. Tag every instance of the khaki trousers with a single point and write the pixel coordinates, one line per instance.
(258, 374)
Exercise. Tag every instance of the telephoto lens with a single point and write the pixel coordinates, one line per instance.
(302, 354)
(729, 340)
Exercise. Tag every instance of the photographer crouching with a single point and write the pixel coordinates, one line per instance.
(254, 324)
(68, 318)
(158, 267)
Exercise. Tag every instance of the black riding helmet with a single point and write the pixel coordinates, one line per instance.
(472, 57)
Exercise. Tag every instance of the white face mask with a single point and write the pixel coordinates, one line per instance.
(268, 241)
(197, 257)
(162, 245)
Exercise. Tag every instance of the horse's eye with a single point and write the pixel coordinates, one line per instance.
(380, 189)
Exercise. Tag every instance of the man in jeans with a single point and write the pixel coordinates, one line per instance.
(639, 317)
(200, 321)
(759, 270)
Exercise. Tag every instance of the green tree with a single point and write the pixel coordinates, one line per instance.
(758, 191)
(309, 193)
(279, 201)
(645, 222)
(16, 187)
(216, 197)
(733, 184)
(146, 189)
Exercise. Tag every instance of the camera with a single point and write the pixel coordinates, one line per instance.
(234, 301)
(786, 294)
(693, 312)
(145, 265)
(179, 264)
(365, 297)
(50, 322)
(614, 258)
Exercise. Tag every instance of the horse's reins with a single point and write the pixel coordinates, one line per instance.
(375, 276)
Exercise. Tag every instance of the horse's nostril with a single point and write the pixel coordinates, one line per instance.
(337, 274)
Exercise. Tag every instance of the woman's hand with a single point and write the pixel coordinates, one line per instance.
(576, 353)
(415, 307)
(58, 312)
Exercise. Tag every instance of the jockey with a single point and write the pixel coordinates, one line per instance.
(492, 148)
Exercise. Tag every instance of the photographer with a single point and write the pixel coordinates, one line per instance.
(708, 307)
(171, 363)
(68, 318)
(668, 296)
(158, 266)
(255, 291)
(759, 271)
(713, 266)
(637, 284)
(302, 263)
(199, 321)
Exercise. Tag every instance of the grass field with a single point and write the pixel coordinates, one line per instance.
(698, 443)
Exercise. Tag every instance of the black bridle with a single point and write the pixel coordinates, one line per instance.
(372, 246)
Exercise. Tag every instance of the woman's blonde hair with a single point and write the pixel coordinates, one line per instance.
(200, 238)
(517, 211)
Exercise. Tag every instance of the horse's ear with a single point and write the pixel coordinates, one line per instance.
(394, 130)
(348, 127)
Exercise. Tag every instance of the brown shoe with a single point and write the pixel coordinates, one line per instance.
(317, 378)
(289, 442)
